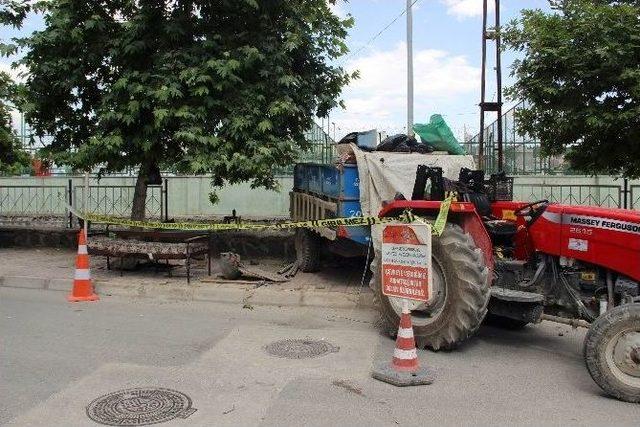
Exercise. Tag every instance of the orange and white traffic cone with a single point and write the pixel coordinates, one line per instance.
(404, 369)
(82, 287)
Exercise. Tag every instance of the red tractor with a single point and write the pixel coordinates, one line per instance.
(518, 263)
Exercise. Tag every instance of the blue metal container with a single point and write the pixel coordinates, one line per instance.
(352, 208)
(339, 185)
(314, 177)
(350, 182)
(328, 180)
(300, 181)
(343, 185)
(349, 208)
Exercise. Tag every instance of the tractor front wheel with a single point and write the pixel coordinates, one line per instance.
(461, 293)
(612, 352)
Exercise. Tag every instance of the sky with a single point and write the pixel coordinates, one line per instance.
(446, 58)
(446, 62)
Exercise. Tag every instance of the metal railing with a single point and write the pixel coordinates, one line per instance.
(634, 197)
(322, 149)
(117, 200)
(608, 196)
(33, 200)
(522, 153)
(53, 200)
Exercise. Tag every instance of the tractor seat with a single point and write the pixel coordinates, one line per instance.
(501, 231)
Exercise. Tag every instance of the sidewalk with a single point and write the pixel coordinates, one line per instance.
(337, 285)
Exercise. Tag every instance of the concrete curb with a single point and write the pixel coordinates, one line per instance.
(237, 294)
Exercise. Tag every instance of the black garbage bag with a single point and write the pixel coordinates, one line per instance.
(350, 138)
(402, 143)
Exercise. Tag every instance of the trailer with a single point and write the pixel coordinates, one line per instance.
(324, 191)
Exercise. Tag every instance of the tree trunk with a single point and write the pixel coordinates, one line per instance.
(138, 208)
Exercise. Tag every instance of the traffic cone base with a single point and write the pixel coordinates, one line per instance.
(385, 372)
(82, 288)
(93, 297)
(404, 369)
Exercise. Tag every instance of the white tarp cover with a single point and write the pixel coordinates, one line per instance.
(383, 174)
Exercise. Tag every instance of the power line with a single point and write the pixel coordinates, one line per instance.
(379, 33)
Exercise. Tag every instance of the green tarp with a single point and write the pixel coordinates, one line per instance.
(437, 134)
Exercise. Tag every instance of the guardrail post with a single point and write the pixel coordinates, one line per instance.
(70, 189)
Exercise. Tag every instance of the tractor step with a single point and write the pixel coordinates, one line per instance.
(512, 295)
(510, 264)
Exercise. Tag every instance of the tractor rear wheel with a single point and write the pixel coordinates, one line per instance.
(461, 293)
(612, 352)
(308, 249)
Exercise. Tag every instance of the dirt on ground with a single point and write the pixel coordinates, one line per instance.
(339, 275)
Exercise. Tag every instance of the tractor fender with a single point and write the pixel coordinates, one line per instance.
(472, 223)
(462, 213)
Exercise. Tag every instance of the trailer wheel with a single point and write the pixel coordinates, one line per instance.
(461, 288)
(612, 352)
(308, 249)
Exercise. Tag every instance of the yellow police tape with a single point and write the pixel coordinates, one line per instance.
(406, 216)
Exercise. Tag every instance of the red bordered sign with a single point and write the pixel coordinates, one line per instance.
(406, 261)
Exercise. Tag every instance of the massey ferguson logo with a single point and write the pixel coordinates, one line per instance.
(607, 224)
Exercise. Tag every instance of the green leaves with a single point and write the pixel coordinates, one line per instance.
(220, 88)
(265, 125)
(13, 159)
(580, 77)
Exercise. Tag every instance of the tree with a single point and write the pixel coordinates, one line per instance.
(223, 87)
(13, 159)
(580, 75)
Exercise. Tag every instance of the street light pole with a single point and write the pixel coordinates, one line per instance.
(409, 69)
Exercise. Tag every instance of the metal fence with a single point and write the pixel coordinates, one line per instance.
(20, 200)
(25, 203)
(46, 200)
(522, 154)
(117, 200)
(608, 196)
(634, 195)
(322, 149)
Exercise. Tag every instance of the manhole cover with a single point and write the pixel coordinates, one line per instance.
(300, 348)
(140, 407)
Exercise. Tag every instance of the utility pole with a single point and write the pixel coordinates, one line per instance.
(409, 69)
(485, 106)
(499, 87)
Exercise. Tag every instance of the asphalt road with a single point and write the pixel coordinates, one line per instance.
(55, 358)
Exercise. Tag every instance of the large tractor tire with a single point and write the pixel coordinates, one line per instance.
(612, 352)
(461, 293)
(308, 250)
